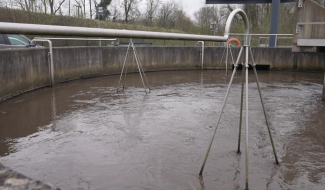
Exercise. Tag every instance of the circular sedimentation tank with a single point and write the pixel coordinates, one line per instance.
(83, 134)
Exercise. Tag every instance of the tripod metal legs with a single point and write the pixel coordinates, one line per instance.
(118, 86)
(140, 68)
(241, 108)
(223, 105)
(244, 77)
(261, 97)
(246, 146)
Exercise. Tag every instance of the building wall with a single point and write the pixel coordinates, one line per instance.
(309, 12)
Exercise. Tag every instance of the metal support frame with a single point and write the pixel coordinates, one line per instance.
(248, 53)
(202, 52)
(51, 67)
(140, 68)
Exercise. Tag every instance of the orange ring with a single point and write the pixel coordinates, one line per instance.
(234, 40)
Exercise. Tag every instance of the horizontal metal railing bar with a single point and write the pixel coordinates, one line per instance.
(311, 23)
(81, 39)
(241, 34)
(36, 29)
(277, 37)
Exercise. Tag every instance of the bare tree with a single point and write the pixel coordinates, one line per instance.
(166, 16)
(115, 11)
(152, 6)
(130, 8)
(44, 6)
(182, 22)
(23, 4)
(90, 12)
(53, 7)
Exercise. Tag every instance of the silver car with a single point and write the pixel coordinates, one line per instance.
(13, 41)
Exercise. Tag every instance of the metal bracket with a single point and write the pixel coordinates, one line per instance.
(300, 2)
(247, 40)
(298, 28)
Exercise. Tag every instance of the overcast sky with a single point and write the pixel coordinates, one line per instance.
(190, 6)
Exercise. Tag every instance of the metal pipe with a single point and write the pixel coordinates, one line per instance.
(264, 111)
(127, 51)
(36, 29)
(246, 147)
(221, 58)
(227, 59)
(99, 27)
(232, 58)
(241, 107)
(202, 52)
(141, 68)
(51, 57)
(244, 34)
(136, 60)
(81, 39)
(223, 105)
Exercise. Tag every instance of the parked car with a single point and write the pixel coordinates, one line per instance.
(13, 41)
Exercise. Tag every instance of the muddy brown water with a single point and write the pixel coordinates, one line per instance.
(84, 135)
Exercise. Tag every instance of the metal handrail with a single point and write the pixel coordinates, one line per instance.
(276, 44)
(241, 34)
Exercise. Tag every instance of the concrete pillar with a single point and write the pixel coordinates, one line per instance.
(324, 88)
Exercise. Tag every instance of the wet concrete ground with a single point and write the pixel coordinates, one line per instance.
(84, 135)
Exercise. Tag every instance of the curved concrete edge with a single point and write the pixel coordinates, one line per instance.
(10, 179)
(24, 70)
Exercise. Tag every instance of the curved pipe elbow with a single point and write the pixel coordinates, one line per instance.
(230, 19)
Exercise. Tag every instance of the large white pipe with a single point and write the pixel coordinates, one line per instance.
(36, 29)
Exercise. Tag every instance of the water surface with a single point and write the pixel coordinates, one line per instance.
(84, 135)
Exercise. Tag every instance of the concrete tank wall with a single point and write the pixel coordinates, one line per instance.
(23, 70)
